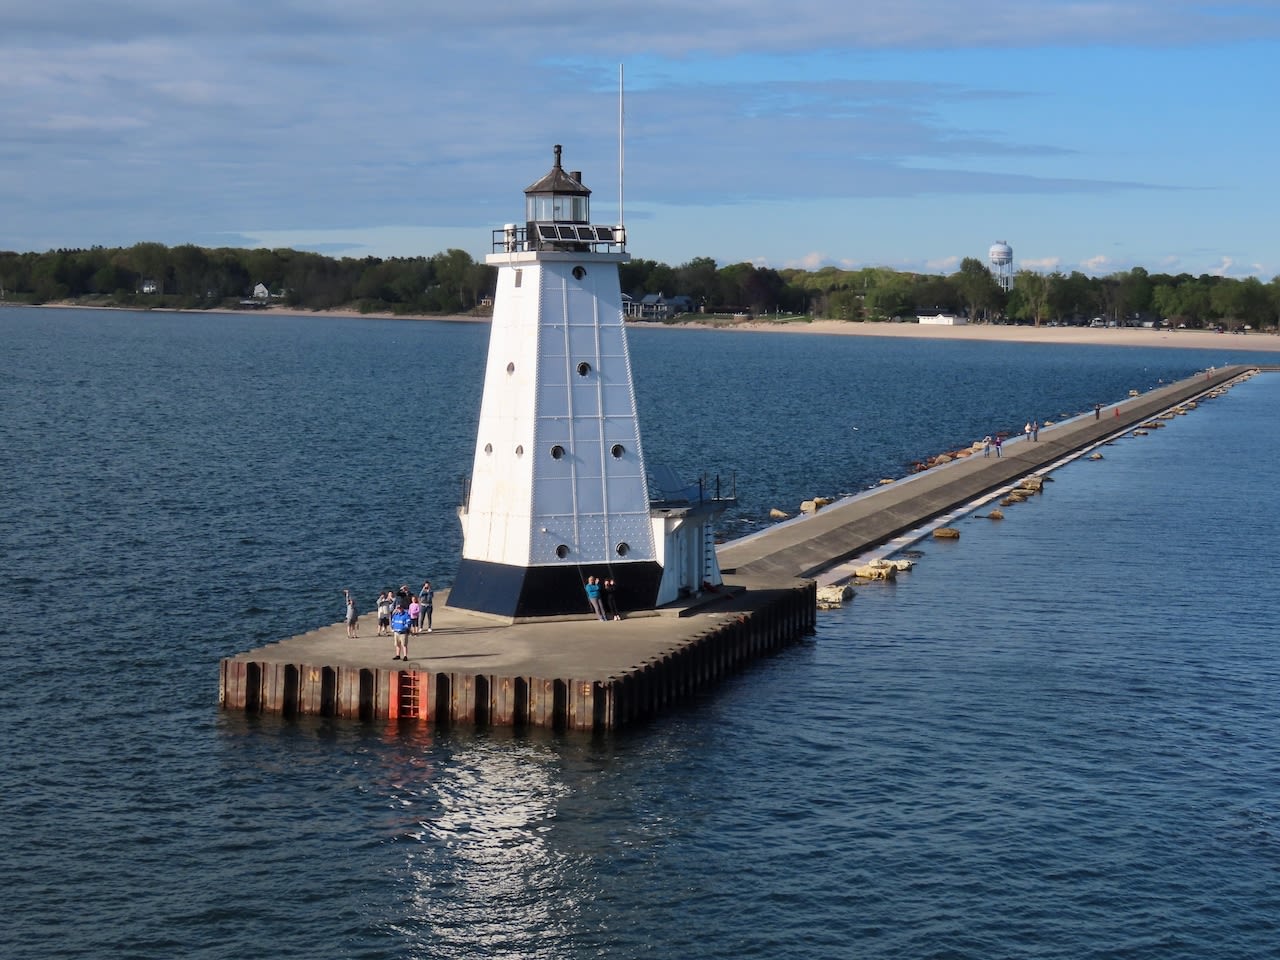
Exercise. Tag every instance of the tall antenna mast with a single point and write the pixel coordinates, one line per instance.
(622, 220)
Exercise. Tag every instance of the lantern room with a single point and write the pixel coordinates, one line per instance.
(558, 197)
(557, 213)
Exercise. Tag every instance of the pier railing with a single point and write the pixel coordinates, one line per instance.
(668, 488)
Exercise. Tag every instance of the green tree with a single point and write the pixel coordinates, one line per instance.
(661, 279)
(455, 274)
(976, 287)
(48, 278)
(1135, 291)
(633, 276)
(932, 292)
(150, 261)
(698, 279)
(890, 294)
(1074, 296)
(190, 270)
(1242, 302)
(1034, 291)
(843, 305)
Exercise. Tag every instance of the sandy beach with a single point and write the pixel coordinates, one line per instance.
(1116, 337)
(1092, 336)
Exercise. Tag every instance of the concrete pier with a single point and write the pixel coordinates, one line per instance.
(840, 531)
(579, 674)
(586, 674)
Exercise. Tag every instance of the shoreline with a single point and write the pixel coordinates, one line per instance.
(1082, 336)
(275, 310)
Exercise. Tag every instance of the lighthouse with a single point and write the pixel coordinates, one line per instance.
(558, 490)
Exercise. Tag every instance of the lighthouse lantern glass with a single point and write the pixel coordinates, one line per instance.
(564, 208)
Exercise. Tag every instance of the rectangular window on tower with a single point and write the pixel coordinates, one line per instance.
(518, 274)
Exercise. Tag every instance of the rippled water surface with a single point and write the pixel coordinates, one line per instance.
(1055, 738)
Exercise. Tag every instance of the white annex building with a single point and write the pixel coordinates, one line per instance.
(943, 320)
(559, 490)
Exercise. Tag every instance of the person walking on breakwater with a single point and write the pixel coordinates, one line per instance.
(593, 597)
(986, 445)
(1035, 431)
(608, 590)
(427, 600)
(999, 443)
(386, 602)
(1097, 411)
(353, 618)
(1026, 431)
(400, 624)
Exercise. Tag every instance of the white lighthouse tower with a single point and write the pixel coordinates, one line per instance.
(558, 489)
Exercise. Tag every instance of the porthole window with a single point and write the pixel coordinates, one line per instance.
(622, 549)
(562, 551)
(579, 273)
(557, 452)
(511, 368)
(520, 450)
(584, 368)
(488, 448)
(617, 450)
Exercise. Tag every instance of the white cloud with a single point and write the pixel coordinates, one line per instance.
(327, 119)
(1040, 265)
(810, 261)
(1223, 268)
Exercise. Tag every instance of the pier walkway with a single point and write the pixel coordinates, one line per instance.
(584, 674)
(809, 545)
(572, 673)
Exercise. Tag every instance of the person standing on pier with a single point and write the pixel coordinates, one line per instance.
(593, 597)
(353, 618)
(1026, 431)
(1035, 430)
(427, 599)
(415, 615)
(1097, 411)
(609, 589)
(986, 445)
(999, 443)
(386, 601)
(400, 623)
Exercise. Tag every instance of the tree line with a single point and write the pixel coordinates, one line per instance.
(187, 276)
(191, 277)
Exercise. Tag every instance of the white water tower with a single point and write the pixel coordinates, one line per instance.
(1001, 258)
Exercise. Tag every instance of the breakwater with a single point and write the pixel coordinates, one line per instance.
(587, 675)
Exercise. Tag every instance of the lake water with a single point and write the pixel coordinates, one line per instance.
(1055, 738)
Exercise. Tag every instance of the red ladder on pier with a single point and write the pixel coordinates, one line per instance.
(409, 694)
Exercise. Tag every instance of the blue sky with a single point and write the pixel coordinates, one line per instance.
(1092, 135)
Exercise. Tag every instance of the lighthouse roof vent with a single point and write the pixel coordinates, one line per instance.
(559, 182)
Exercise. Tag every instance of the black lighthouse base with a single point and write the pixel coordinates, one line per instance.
(522, 592)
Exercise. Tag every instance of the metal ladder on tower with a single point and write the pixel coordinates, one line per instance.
(708, 554)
